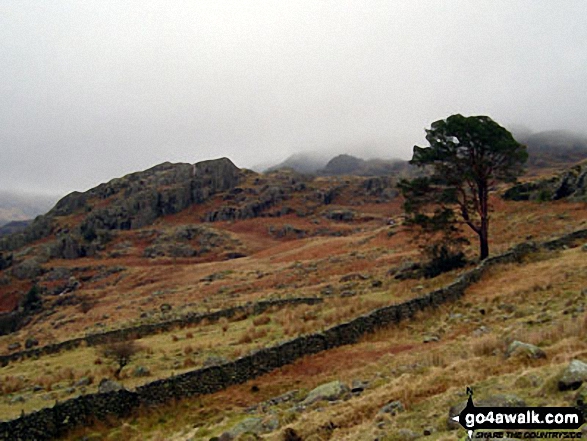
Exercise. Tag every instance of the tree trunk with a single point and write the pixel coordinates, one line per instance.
(484, 230)
(483, 245)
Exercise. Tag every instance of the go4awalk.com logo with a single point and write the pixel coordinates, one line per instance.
(536, 422)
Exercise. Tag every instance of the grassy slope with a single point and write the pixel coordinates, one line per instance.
(426, 377)
(539, 301)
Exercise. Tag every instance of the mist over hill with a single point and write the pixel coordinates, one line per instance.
(553, 148)
(16, 206)
(548, 149)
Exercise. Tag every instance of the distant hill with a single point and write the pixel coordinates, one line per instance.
(339, 165)
(351, 165)
(554, 149)
(22, 206)
(14, 227)
(308, 163)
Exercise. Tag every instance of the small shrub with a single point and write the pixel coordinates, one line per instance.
(121, 353)
(261, 320)
(224, 324)
(11, 384)
(188, 362)
(32, 301)
(442, 260)
(86, 305)
(487, 345)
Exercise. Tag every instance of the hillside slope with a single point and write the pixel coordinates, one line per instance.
(181, 241)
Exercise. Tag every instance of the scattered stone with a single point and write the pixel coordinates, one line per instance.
(107, 385)
(253, 425)
(330, 391)
(506, 400)
(431, 338)
(165, 307)
(84, 381)
(59, 273)
(290, 434)
(14, 346)
(573, 376)
(518, 348)
(17, 399)
(376, 284)
(30, 342)
(358, 386)
(392, 408)
(428, 431)
(141, 371)
(28, 269)
(348, 293)
(407, 435)
(481, 330)
(214, 360)
(353, 276)
(506, 307)
(327, 290)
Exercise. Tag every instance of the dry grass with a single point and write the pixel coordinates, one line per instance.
(395, 361)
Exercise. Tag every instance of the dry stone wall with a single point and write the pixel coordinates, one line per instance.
(52, 422)
(155, 328)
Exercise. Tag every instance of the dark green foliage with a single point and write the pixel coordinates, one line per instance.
(466, 158)
(32, 300)
(5, 261)
(443, 259)
(88, 233)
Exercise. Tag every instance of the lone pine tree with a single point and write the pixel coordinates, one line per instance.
(467, 156)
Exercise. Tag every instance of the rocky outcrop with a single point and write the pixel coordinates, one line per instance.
(527, 350)
(134, 201)
(571, 184)
(383, 187)
(332, 391)
(188, 241)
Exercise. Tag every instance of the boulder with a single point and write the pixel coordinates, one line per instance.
(28, 269)
(30, 342)
(14, 346)
(141, 371)
(573, 376)
(407, 435)
(107, 385)
(215, 360)
(253, 425)
(392, 408)
(329, 391)
(518, 348)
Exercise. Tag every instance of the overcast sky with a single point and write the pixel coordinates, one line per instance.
(92, 90)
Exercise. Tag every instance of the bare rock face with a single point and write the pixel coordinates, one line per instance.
(132, 201)
(571, 184)
(217, 174)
